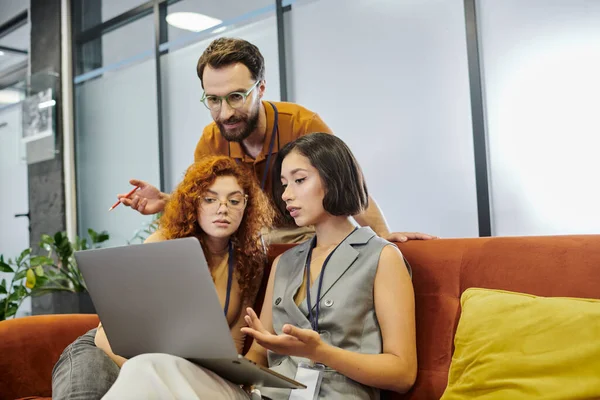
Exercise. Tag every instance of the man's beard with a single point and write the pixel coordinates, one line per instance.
(242, 132)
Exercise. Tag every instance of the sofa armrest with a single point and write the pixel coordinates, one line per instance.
(29, 348)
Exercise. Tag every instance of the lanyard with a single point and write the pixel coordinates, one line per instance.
(314, 318)
(274, 132)
(231, 265)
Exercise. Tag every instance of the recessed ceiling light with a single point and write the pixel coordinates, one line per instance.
(192, 21)
(1, 53)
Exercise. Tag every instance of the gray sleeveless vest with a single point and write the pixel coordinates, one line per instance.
(346, 312)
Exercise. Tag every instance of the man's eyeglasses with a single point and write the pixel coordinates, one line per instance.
(234, 203)
(234, 99)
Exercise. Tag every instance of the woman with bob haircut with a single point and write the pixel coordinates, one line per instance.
(338, 308)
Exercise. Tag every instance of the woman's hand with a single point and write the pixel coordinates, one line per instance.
(252, 392)
(293, 342)
(101, 342)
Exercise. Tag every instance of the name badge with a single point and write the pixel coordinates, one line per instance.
(311, 376)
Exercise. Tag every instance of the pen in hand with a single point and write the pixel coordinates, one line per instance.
(126, 196)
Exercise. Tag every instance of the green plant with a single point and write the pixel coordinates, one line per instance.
(14, 290)
(146, 230)
(42, 274)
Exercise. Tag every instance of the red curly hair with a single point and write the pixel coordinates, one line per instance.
(180, 218)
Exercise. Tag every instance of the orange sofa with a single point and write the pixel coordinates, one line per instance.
(442, 269)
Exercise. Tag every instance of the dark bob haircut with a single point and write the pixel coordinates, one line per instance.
(345, 188)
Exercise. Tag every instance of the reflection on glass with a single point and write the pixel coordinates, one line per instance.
(187, 16)
(112, 8)
(14, 48)
(132, 41)
(116, 140)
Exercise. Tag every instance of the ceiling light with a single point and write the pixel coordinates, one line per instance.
(1, 53)
(192, 21)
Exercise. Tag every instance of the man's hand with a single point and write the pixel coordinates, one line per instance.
(405, 236)
(146, 200)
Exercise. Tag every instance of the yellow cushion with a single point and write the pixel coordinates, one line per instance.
(518, 346)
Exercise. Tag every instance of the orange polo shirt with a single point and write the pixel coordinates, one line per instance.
(294, 121)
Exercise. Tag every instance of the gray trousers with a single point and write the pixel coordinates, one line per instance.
(83, 371)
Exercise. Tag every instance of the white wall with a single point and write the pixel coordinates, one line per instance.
(541, 65)
(116, 140)
(184, 115)
(14, 232)
(391, 79)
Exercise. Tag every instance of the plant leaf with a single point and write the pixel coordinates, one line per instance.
(58, 237)
(11, 310)
(102, 237)
(13, 297)
(47, 242)
(4, 267)
(47, 239)
(3, 288)
(22, 256)
(20, 275)
(40, 261)
(39, 270)
(40, 281)
(20, 291)
(55, 272)
(93, 235)
(64, 249)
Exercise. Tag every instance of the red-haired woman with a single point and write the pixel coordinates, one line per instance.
(220, 203)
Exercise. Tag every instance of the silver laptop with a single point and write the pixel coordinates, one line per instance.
(160, 298)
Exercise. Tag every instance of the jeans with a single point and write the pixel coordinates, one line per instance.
(83, 371)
